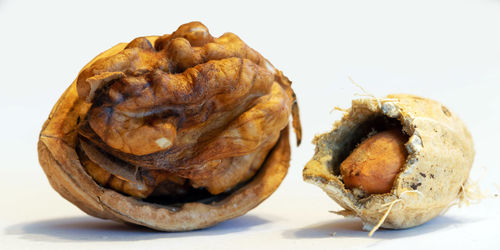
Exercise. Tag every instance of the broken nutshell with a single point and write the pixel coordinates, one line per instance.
(175, 133)
(394, 162)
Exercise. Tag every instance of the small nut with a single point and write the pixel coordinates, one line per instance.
(426, 177)
(374, 164)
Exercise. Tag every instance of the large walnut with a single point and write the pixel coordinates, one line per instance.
(176, 132)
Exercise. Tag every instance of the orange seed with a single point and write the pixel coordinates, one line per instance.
(374, 164)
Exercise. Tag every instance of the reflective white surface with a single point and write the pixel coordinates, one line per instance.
(445, 50)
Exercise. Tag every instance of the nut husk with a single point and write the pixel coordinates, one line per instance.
(58, 155)
(440, 156)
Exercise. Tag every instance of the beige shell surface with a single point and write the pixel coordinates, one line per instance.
(57, 156)
(440, 157)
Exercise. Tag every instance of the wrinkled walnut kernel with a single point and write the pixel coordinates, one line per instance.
(190, 112)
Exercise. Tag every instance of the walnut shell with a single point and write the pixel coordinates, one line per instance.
(177, 136)
(440, 156)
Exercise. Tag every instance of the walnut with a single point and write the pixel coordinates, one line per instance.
(177, 132)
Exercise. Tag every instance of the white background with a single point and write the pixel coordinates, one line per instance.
(445, 50)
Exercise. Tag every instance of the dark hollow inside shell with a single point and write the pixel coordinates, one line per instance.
(362, 130)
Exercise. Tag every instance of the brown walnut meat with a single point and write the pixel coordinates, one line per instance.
(176, 132)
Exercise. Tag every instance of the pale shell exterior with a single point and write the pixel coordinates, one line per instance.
(57, 156)
(440, 157)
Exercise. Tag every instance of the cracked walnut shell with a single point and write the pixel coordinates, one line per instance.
(439, 157)
(175, 133)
